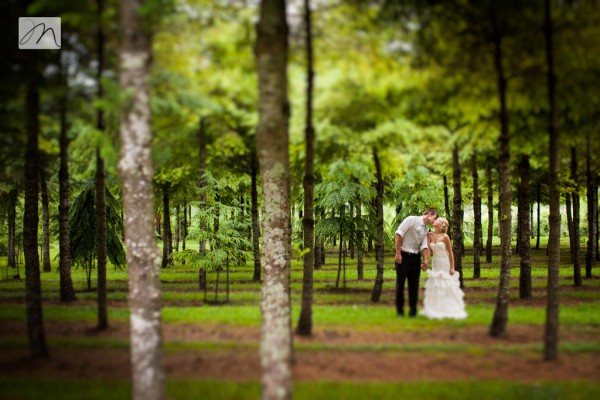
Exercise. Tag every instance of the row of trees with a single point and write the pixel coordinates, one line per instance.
(406, 95)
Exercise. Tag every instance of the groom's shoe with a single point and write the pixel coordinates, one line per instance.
(401, 314)
(412, 314)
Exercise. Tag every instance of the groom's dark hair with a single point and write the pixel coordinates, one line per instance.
(430, 211)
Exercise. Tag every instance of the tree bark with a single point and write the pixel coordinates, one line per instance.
(273, 155)
(308, 219)
(101, 187)
(538, 194)
(551, 331)
(137, 173)
(576, 221)
(490, 207)
(457, 214)
(447, 204)
(45, 222)
(569, 208)
(33, 296)
(590, 255)
(255, 220)
(379, 249)
(477, 246)
(67, 293)
(524, 234)
(166, 228)
(500, 319)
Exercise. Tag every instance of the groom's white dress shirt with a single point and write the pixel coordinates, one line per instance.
(414, 234)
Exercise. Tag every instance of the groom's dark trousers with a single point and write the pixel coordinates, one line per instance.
(409, 269)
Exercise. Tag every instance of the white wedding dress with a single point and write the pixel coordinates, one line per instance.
(443, 296)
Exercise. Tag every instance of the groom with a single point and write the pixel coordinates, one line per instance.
(411, 239)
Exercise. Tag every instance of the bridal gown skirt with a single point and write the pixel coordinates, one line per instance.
(443, 296)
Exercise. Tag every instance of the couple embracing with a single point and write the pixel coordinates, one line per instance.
(443, 296)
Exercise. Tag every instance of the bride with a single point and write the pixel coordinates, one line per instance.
(443, 296)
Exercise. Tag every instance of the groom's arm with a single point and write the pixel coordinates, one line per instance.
(398, 249)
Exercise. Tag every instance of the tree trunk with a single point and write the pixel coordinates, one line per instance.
(12, 228)
(498, 326)
(184, 228)
(359, 245)
(45, 222)
(67, 293)
(178, 229)
(379, 249)
(490, 207)
(447, 204)
(340, 248)
(101, 249)
(137, 173)
(255, 220)
(201, 172)
(457, 214)
(551, 331)
(33, 296)
(538, 194)
(166, 228)
(477, 222)
(524, 234)
(273, 154)
(590, 255)
(308, 220)
(569, 208)
(576, 220)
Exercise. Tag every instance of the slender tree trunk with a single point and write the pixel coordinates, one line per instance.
(273, 155)
(185, 227)
(590, 256)
(490, 207)
(319, 248)
(308, 220)
(569, 208)
(531, 226)
(45, 222)
(33, 295)
(447, 204)
(379, 249)
(340, 248)
(101, 249)
(524, 234)
(551, 331)
(500, 319)
(576, 220)
(12, 228)
(477, 246)
(178, 232)
(137, 173)
(201, 172)
(67, 293)
(166, 228)
(255, 220)
(457, 214)
(359, 246)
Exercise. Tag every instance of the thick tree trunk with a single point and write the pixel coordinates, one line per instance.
(457, 214)
(551, 331)
(308, 219)
(477, 246)
(45, 222)
(447, 204)
(166, 228)
(379, 249)
(590, 255)
(359, 246)
(490, 207)
(524, 234)
(33, 294)
(101, 187)
(67, 293)
(12, 228)
(201, 172)
(255, 220)
(500, 319)
(137, 173)
(576, 220)
(273, 155)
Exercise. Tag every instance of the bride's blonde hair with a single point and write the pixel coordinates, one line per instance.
(443, 224)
